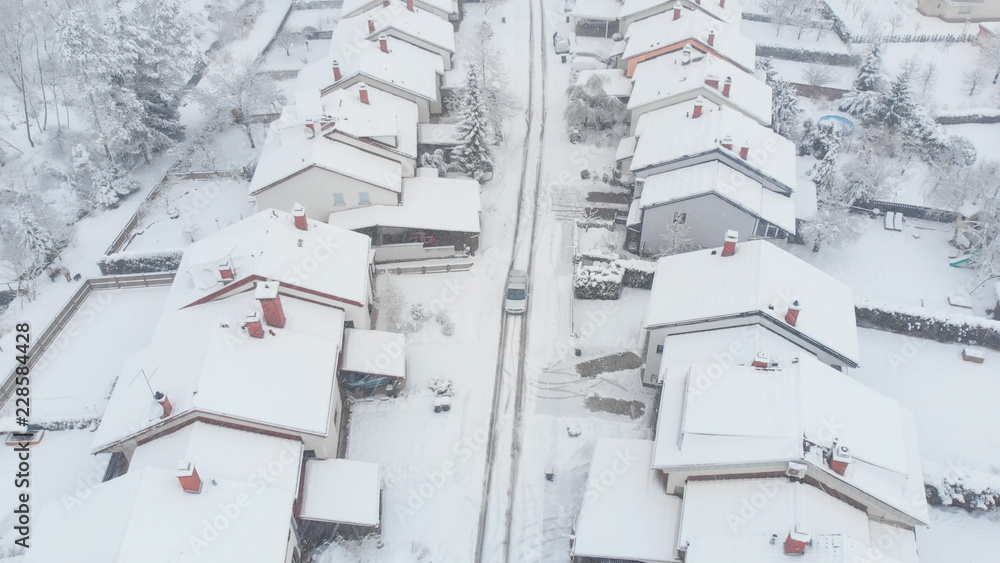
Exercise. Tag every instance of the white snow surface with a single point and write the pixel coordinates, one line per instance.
(343, 491)
(418, 24)
(732, 13)
(613, 79)
(662, 30)
(374, 352)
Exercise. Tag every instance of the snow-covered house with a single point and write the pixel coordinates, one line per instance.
(628, 515)
(961, 11)
(749, 285)
(705, 201)
(726, 11)
(388, 64)
(435, 212)
(447, 10)
(687, 74)
(418, 27)
(282, 247)
(595, 18)
(231, 499)
(700, 131)
(801, 419)
(675, 29)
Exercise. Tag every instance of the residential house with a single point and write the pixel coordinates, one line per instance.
(726, 11)
(447, 10)
(418, 27)
(685, 75)
(961, 10)
(746, 285)
(673, 30)
(700, 204)
(435, 212)
(388, 64)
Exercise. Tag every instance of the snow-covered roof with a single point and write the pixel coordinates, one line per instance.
(342, 491)
(386, 119)
(418, 24)
(671, 136)
(759, 279)
(374, 352)
(354, 7)
(613, 79)
(603, 10)
(405, 66)
(203, 360)
(448, 204)
(146, 517)
(291, 151)
(408, 217)
(267, 246)
(737, 346)
(741, 415)
(665, 77)
(438, 134)
(662, 30)
(732, 12)
(716, 529)
(713, 177)
(626, 148)
(634, 518)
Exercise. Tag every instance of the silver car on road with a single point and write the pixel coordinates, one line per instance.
(516, 301)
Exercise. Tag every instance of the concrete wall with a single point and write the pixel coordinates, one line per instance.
(315, 189)
(708, 219)
(958, 11)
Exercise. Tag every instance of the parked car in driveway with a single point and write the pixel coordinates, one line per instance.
(560, 43)
(516, 301)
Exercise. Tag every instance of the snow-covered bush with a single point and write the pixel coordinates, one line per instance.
(601, 280)
(964, 489)
(140, 262)
(389, 302)
(597, 116)
(435, 159)
(444, 319)
(916, 322)
(420, 313)
(638, 273)
(110, 185)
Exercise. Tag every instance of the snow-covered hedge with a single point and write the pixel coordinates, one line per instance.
(959, 487)
(140, 262)
(916, 321)
(807, 55)
(845, 35)
(601, 280)
(959, 116)
(638, 273)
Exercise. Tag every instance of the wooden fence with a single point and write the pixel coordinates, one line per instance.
(43, 340)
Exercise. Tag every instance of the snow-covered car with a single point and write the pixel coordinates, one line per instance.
(560, 43)
(601, 58)
(582, 62)
(516, 301)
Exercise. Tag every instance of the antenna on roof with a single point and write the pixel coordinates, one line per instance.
(146, 378)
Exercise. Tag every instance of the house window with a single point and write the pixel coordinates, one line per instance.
(348, 324)
(763, 229)
(659, 348)
(338, 199)
(680, 217)
(363, 198)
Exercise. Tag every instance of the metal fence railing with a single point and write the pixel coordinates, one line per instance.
(44, 339)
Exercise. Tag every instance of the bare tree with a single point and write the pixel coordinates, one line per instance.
(236, 92)
(895, 22)
(972, 78)
(989, 55)
(820, 75)
(16, 32)
(928, 77)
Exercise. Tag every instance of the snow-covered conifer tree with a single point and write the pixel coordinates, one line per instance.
(785, 110)
(866, 91)
(474, 156)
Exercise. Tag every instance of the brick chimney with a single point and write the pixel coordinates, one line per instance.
(729, 246)
(226, 273)
(383, 42)
(722, 3)
(797, 541)
(711, 38)
(164, 402)
(371, 25)
(267, 294)
(336, 70)
(761, 360)
(727, 86)
(677, 11)
(254, 327)
(744, 151)
(699, 105)
(698, 2)
(189, 478)
(727, 142)
(299, 214)
(385, 3)
(840, 458)
(712, 81)
(792, 316)
(363, 92)
(409, 5)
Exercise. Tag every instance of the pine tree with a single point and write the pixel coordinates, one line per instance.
(865, 92)
(896, 108)
(110, 186)
(785, 110)
(474, 156)
(35, 243)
